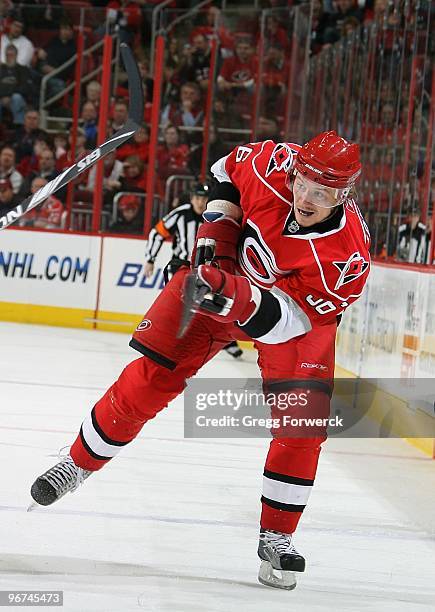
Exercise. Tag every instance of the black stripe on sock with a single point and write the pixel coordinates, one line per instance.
(288, 479)
(89, 450)
(160, 359)
(280, 506)
(282, 386)
(101, 433)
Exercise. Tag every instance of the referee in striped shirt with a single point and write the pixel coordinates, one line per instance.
(181, 224)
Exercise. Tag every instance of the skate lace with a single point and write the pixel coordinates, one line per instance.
(66, 476)
(279, 542)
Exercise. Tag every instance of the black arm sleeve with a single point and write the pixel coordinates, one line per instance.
(225, 191)
(266, 317)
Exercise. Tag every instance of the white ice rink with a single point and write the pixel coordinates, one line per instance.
(172, 524)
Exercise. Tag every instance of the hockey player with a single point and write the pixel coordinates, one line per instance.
(291, 254)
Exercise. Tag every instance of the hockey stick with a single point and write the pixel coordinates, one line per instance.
(135, 115)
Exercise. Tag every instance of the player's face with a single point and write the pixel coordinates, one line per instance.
(313, 203)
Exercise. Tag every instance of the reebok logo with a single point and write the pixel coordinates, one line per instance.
(310, 366)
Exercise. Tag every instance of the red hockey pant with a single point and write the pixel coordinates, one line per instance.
(149, 383)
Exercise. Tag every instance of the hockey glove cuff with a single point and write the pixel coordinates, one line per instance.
(231, 298)
(221, 239)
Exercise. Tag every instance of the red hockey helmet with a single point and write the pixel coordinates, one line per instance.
(329, 160)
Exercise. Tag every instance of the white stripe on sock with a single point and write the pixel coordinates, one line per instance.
(96, 443)
(286, 493)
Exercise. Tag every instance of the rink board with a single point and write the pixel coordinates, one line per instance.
(97, 282)
(76, 280)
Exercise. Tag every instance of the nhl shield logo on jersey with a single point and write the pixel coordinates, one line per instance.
(281, 158)
(293, 227)
(351, 269)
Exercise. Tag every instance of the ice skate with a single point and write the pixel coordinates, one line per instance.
(64, 477)
(279, 560)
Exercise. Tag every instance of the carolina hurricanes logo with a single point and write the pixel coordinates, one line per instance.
(240, 76)
(351, 269)
(255, 257)
(145, 324)
(281, 158)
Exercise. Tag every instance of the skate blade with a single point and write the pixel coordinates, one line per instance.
(33, 506)
(277, 579)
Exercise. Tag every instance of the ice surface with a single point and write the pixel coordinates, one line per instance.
(172, 524)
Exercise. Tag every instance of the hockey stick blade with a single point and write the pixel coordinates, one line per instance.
(192, 297)
(135, 114)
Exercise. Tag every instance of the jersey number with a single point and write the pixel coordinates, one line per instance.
(321, 306)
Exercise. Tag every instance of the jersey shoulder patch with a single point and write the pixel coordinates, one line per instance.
(281, 158)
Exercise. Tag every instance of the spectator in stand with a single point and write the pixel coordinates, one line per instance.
(7, 168)
(411, 245)
(216, 150)
(275, 77)
(88, 121)
(276, 34)
(133, 175)
(147, 82)
(6, 13)
(138, 145)
(343, 10)
(386, 130)
(237, 79)
(349, 26)
(131, 216)
(26, 135)
(23, 45)
(16, 86)
(113, 169)
(93, 93)
(322, 31)
(173, 55)
(212, 17)
(8, 199)
(188, 112)
(46, 170)
(172, 155)
(30, 163)
(119, 115)
(60, 144)
(59, 50)
(49, 214)
(223, 120)
(196, 67)
(70, 157)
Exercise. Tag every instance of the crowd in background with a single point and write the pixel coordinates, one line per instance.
(37, 40)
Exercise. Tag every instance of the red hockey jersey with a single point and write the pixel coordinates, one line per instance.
(323, 268)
